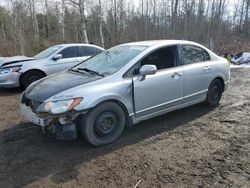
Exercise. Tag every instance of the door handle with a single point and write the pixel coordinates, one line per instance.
(206, 68)
(176, 75)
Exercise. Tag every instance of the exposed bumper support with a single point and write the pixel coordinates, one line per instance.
(63, 126)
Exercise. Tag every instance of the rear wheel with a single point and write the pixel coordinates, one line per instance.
(30, 77)
(214, 93)
(104, 124)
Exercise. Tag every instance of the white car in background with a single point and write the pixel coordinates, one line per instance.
(241, 58)
(16, 72)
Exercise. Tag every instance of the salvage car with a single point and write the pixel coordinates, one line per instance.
(124, 85)
(22, 71)
(241, 58)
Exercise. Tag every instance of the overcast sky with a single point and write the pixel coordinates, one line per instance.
(6, 3)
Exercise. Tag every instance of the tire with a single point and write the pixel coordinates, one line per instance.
(104, 124)
(30, 77)
(214, 93)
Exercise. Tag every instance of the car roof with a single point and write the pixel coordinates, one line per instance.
(77, 44)
(163, 42)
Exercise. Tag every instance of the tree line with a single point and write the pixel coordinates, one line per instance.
(28, 26)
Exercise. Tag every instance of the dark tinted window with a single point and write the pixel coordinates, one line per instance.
(193, 54)
(162, 58)
(89, 51)
(70, 52)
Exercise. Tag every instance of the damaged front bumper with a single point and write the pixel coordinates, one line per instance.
(63, 126)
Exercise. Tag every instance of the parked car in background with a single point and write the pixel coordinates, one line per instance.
(241, 58)
(124, 85)
(15, 72)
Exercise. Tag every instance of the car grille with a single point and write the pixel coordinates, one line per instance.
(31, 103)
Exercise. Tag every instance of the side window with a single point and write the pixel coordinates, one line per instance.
(193, 54)
(70, 52)
(162, 58)
(88, 51)
(134, 70)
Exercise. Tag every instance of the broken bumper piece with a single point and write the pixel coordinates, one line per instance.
(63, 127)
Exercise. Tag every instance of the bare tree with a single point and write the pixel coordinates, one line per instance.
(174, 7)
(63, 23)
(80, 4)
(100, 24)
(246, 22)
(26, 29)
(32, 10)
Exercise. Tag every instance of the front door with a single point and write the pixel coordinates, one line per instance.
(162, 90)
(70, 58)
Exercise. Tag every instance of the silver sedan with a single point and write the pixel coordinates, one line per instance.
(22, 71)
(124, 85)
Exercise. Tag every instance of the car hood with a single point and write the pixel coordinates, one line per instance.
(15, 59)
(54, 84)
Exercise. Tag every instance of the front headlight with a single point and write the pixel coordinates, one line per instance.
(5, 70)
(59, 107)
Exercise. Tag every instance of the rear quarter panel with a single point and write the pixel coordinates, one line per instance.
(222, 69)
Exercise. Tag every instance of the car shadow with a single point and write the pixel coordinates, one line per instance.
(28, 155)
(4, 92)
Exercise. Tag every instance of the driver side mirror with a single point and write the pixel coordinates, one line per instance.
(57, 57)
(147, 70)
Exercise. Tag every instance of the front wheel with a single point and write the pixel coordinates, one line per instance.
(30, 77)
(104, 124)
(214, 93)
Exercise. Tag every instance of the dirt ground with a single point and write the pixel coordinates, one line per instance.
(193, 147)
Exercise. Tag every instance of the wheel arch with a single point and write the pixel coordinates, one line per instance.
(120, 103)
(221, 80)
(30, 70)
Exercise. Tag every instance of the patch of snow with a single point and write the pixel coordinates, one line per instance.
(245, 65)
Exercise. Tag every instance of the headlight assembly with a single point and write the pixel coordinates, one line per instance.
(5, 70)
(59, 107)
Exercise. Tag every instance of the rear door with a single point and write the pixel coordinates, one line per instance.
(162, 90)
(197, 72)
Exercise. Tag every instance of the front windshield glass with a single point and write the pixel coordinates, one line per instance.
(48, 52)
(109, 61)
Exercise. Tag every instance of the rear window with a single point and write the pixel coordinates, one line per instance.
(89, 51)
(193, 54)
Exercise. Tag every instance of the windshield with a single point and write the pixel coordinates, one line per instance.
(110, 61)
(46, 53)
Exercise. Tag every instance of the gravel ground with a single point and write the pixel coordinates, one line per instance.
(193, 147)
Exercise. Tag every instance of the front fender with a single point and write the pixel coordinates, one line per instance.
(125, 100)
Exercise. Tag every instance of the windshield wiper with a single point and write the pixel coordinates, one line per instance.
(74, 70)
(91, 71)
